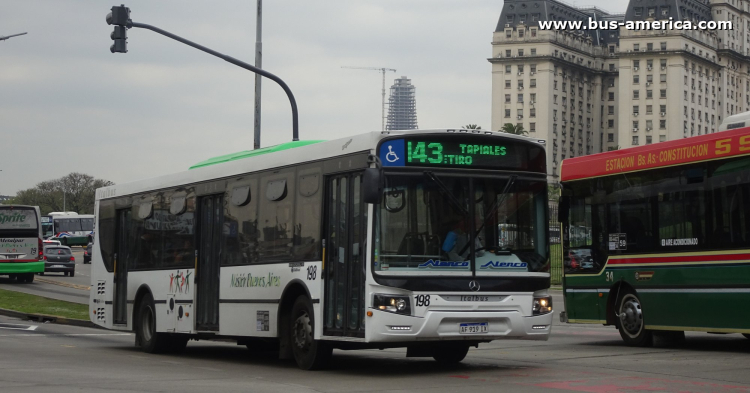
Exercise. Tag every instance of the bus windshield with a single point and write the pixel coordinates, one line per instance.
(449, 223)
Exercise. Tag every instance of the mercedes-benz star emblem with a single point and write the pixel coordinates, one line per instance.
(474, 285)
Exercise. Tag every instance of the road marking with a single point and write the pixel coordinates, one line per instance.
(16, 326)
(65, 284)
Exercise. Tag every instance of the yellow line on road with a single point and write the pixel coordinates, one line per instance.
(65, 284)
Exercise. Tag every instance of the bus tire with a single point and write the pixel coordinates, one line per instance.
(449, 354)
(28, 278)
(310, 354)
(145, 328)
(630, 321)
(13, 277)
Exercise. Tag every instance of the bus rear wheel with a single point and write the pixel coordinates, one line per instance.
(310, 354)
(145, 329)
(450, 353)
(630, 322)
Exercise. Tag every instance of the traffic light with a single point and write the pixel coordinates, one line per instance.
(120, 17)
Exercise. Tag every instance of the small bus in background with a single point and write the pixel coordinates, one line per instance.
(70, 228)
(20, 242)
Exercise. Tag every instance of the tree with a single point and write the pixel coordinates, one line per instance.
(74, 192)
(516, 129)
(472, 127)
(553, 192)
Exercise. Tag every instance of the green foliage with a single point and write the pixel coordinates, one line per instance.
(78, 190)
(22, 302)
(472, 127)
(553, 192)
(516, 129)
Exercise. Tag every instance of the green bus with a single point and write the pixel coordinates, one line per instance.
(656, 238)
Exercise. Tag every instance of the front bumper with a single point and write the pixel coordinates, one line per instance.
(444, 325)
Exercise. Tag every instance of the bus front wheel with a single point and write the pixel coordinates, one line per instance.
(630, 322)
(310, 354)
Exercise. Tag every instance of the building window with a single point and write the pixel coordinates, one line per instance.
(663, 78)
(507, 113)
(650, 46)
(532, 127)
(533, 51)
(649, 109)
(610, 137)
(663, 46)
(662, 124)
(611, 123)
(648, 139)
(520, 83)
(507, 69)
(532, 112)
(611, 96)
(520, 33)
(636, 94)
(636, 109)
(662, 138)
(611, 110)
(507, 84)
(533, 68)
(651, 12)
(649, 78)
(635, 125)
(554, 99)
(520, 52)
(507, 33)
(649, 94)
(532, 83)
(520, 98)
(665, 13)
(507, 53)
(507, 98)
(663, 109)
(635, 140)
(533, 31)
(532, 97)
(636, 47)
(636, 79)
(519, 112)
(663, 93)
(638, 11)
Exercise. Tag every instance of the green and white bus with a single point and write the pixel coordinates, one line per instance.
(657, 237)
(360, 242)
(21, 251)
(70, 228)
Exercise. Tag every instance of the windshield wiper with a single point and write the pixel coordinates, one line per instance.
(444, 191)
(493, 208)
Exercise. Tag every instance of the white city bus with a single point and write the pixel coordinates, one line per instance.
(361, 242)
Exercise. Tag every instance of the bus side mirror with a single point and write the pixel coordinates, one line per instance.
(563, 208)
(372, 185)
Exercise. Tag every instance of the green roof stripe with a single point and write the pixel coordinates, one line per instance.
(252, 153)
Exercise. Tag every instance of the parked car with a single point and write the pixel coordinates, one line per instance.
(59, 259)
(87, 252)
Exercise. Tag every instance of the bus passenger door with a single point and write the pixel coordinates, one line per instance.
(210, 217)
(120, 300)
(344, 270)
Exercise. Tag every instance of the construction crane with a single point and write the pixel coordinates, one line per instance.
(382, 70)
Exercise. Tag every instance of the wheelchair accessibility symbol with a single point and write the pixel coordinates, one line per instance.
(392, 153)
(391, 156)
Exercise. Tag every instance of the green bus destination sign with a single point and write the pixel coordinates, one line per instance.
(462, 151)
(449, 154)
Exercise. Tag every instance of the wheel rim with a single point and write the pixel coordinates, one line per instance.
(631, 315)
(147, 323)
(302, 332)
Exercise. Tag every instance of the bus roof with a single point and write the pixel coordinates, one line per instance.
(257, 160)
(681, 151)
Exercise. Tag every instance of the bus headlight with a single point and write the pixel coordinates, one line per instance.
(392, 303)
(542, 305)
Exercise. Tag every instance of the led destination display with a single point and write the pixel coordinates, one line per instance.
(462, 151)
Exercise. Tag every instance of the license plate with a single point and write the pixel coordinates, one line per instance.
(12, 256)
(58, 266)
(472, 328)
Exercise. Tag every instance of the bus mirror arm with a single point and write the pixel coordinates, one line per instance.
(372, 181)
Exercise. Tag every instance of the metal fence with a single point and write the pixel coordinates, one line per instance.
(555, 246)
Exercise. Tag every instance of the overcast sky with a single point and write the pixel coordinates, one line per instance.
(69, 105)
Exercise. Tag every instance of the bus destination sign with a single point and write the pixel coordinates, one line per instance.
(450, 152)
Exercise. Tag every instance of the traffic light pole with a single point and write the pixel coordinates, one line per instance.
(292, 101)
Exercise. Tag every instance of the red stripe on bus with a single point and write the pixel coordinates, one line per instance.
(680, 259)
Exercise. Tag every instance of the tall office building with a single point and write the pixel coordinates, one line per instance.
(590, 91)
(402, 106)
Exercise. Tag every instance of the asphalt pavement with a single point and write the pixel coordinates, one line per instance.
(587, 358)
(57, 285)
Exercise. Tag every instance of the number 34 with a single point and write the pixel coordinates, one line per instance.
(609, 276)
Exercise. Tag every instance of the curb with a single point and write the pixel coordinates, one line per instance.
(48, 318)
